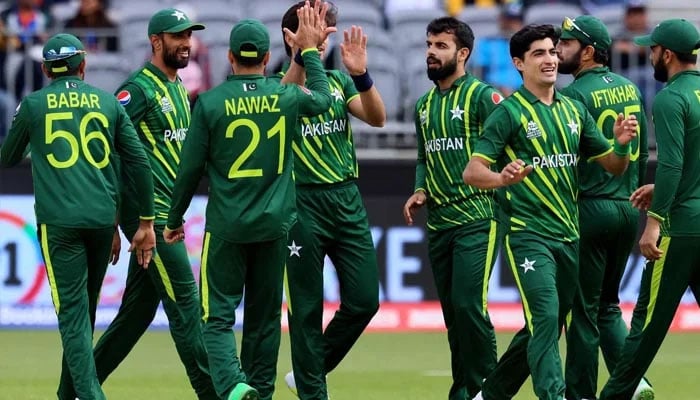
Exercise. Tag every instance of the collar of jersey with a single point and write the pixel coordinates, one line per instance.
(678, 75)
(232, 77)
(157, 72)
(531, 98)
(455, 84)
(596, 70)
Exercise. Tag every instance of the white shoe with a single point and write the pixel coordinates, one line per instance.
(291, 383)
(644, 391)
(478, 396)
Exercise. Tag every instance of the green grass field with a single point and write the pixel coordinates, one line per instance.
(382, 366)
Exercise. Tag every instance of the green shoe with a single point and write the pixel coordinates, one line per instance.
(243, 391)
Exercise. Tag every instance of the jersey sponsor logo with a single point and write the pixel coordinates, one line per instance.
(555, 161)
(165, 106)
(324, 128)
(533, 130)
(496, 98)
(444, 144)
(175, 135)
(124, 97)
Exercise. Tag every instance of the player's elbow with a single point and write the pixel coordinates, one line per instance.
(469, 174)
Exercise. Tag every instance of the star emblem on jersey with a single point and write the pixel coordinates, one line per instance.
(294, 249)
(528, 265)
(337, 95)
(573, 126)
(457, 113)
(179, 15)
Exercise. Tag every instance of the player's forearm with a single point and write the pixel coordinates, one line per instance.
(295, 74)
(479, 175)
(317, 80)
(665, 187)
(373, 107)
(615, 163)
(420, 183)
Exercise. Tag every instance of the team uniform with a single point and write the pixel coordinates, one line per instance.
(77, 133)
(608, 224)
(160, 110)
(676, 202)
(331, 220)
(462, 226)
(242, 131)
(541, 244)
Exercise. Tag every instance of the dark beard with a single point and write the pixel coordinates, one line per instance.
(171, 59)
(660, 72)
(570, 66)
(438, 74)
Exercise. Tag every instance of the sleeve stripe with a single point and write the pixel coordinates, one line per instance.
(485, 157)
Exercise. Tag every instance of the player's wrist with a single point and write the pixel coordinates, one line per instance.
(363, 82)
(621, 150)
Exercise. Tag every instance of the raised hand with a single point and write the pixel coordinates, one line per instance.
(312, 30)
(625, 129)
(353, 51)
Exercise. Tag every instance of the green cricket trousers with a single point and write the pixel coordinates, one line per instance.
(168, 279)
(332, 221)
(546, 272)
(227, 270)
(462, 259)
(608, 233)
(663, 284)
(76, 261)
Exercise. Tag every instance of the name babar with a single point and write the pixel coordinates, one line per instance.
(72, 100)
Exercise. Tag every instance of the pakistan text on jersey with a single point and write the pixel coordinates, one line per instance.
(72, 100)
(252, 105)
(555, 161)
(177, 135)
(324, 128)
(444, 144)
(614, 95)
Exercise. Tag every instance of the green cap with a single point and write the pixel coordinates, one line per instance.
(675, 34)
(62, 52)
(249, 32)
(588, 30)
(171, 20)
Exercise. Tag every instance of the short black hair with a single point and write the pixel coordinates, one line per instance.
(521, 41)
(601, 56)
(249, 61)
(291, 21)
(464, 36)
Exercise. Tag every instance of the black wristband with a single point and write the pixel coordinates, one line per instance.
(298, 58)
(362, 82)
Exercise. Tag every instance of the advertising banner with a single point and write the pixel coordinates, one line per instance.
(408, 296)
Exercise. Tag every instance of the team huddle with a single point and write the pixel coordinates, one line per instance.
(553, 177)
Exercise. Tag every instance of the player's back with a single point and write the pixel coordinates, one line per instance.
(605, 95)
(251, 122)
(72, 136)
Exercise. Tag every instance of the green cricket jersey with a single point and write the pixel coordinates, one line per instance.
(448, 125)
(324, 151)
(75, 132)
(551, 138)
(676, 115)
(160, 111)
(606, 95)
(243, 130)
